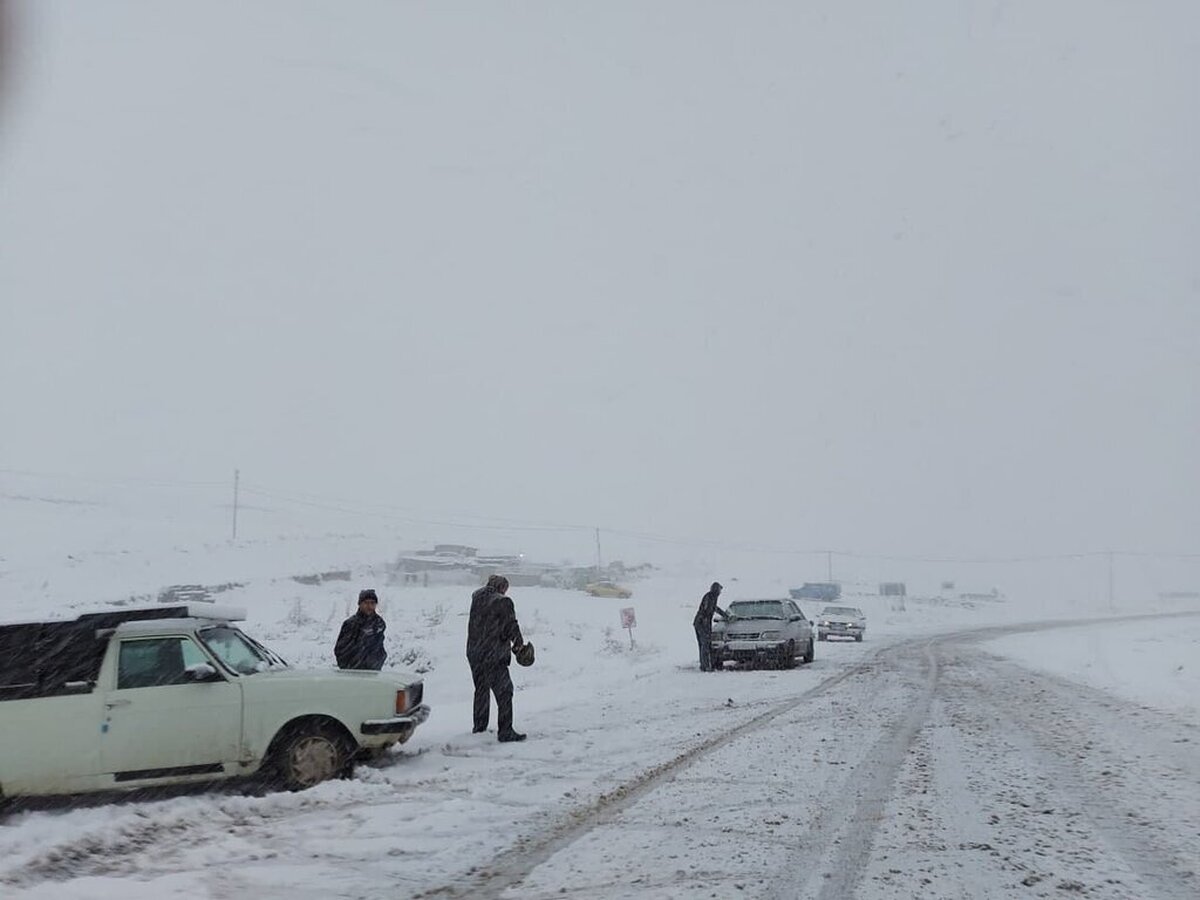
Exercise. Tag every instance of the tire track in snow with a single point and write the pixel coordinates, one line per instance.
(851, 850)
(1165, 860)
(1018, 781)
(845, 868)
(145, 832)
(530, 852)
(842, 840)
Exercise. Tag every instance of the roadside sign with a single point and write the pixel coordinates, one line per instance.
(629, 622)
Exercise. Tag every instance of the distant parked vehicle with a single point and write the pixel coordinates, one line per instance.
(817, 590)
(763, 632)
(841, 621)
(608, 589)
(138, 698)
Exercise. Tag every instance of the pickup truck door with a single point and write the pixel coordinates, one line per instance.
(48, 744)
(161, 724)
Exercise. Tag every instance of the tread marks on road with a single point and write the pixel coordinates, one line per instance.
(1074, 755)
(839, 839)
(529, 852)
(823, 838)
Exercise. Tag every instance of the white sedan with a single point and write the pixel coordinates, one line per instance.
(763, 632)
(841, 621)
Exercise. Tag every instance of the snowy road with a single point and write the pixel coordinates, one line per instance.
(915, 766)
(949, 773)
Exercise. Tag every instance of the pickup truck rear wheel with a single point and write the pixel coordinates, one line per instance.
(309, 754)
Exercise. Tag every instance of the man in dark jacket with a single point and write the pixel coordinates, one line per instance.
(703, 625)
(360, 642)
(492, 632)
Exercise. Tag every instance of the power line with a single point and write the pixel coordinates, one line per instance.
(112, 479)
(301, 497)
(385, 513)
(467, 521)
(972, 560)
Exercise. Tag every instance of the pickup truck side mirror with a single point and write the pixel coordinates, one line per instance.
(201, 672)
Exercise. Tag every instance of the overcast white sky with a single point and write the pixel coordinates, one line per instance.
(898, 278)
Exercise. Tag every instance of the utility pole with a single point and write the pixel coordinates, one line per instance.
(829, 564)
(599, 563)
(236, 475)
(1112, 604)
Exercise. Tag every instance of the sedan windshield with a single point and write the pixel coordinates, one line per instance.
(235, 651)
(757, 609)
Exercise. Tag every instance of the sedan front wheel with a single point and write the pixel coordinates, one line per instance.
(789, 655)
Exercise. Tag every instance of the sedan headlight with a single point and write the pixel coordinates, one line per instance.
(770, 635)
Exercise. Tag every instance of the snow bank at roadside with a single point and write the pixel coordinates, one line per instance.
(1156, 663)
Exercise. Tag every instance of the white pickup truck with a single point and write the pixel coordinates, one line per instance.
(136, 698)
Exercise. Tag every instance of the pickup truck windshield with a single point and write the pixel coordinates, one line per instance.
(235, 651)
(757, 609)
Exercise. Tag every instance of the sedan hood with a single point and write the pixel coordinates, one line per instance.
(760, 621)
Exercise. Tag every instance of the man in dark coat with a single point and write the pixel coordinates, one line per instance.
(492, 633)
(360, 642)
(703, 625)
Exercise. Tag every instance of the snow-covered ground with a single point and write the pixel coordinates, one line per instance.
(641, 776)
(1154, 662)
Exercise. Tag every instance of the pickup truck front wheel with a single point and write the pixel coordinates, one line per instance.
(308, 754)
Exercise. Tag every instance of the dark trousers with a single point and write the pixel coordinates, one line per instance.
(704, 639)
(492, 678)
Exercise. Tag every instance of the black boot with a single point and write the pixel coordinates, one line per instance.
(508, 736)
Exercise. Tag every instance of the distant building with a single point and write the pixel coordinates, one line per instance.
(460, 564)
(497, 562)
(892, 589)
(454, 550)
(1179, 595)
(184, 593)
(993, 594)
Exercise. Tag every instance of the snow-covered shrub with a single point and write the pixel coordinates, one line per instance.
(410, 659)
(298, 616)
(616, 644)
(435, 616)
